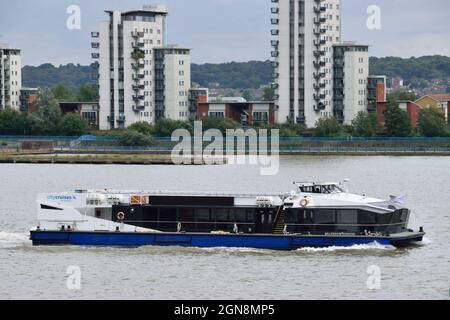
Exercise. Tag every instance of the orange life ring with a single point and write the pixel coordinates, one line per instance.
(121, 216)
(304, 203)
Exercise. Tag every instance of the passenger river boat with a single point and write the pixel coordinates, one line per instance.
(314, 215)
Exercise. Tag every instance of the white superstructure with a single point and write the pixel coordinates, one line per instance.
(304, 33)
(125, 47)
(10, 77)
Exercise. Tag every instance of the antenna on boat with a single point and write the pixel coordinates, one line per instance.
(344, 183)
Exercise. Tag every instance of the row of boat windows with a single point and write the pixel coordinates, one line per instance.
(348, 221)
(198, 214)
(191, 219)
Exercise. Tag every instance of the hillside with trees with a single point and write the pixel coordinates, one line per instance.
(417, 72)
(48, 76)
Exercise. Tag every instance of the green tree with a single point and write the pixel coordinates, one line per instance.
(269, 94)
(396, 121)
(132, 138)
(327, 127)
(247, 95)
(402, 95)
(62, 93)
(165, 127)
(218, 123)
(13, 122)
(432, 123)
(138, 54)
(364, 125)
(72, 125)
(88, 93)
(46, 113)
(142, 127)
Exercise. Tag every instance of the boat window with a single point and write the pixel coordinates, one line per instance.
(239, 215)
(251, 215)
(324, 216)
(384, 219)
(347, 217)
(367, 218)
(220, 214)
(45, 207)
(202, 215)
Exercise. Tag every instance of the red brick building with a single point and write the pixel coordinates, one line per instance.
(247, 113)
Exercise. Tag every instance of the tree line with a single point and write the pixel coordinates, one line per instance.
(45, 119)
(244, 75)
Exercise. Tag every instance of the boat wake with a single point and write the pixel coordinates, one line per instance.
(8, 239)
(358, 247)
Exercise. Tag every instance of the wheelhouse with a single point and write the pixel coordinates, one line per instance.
(319, 188)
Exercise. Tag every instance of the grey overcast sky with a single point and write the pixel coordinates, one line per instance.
(219, 30)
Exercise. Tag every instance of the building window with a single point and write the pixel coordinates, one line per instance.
(220, 115)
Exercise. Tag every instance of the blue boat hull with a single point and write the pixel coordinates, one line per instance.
(272, 242)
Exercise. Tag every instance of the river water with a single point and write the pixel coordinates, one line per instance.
(419, 272)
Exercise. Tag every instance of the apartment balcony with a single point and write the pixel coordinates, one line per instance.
(274, 32)
(319, 75)
(371, 96)
(338, 75)
(275, 54)
(138, 98)
(319, 31)
(275, 21)
(159, 66)
(138, 108)
(274, 43)
(319, 10)
(95, 55)
(274, 10)
(121, 118)
(136, 34)
(338, 106)
(319, 107)
(319, 86)
(137, 66)
(340, 96)
(137, 87)
(95, 45)
(160, 98)
(95, 34)
(319, 53)
(275, 75)
(320, 42)
(319, 64)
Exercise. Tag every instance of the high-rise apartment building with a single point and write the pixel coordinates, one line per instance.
(351, 72)
(127, 53)
(304, 33)
(10, 77)
(172, 82)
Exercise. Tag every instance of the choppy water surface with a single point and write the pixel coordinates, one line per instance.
(419, 272)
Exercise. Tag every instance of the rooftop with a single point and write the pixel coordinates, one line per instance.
(350, 44)
(159, 9)
(442, 97)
